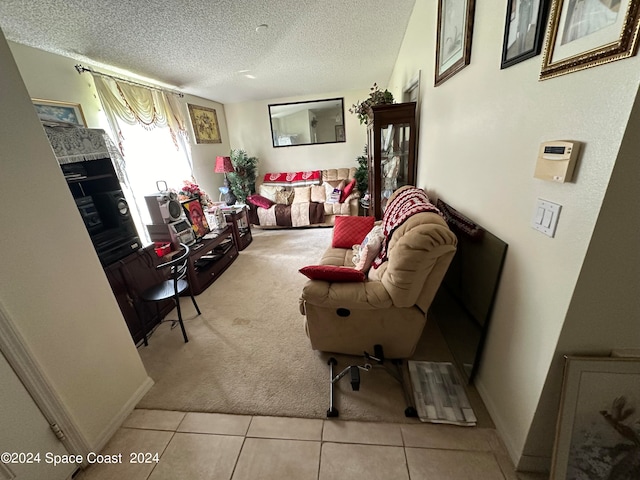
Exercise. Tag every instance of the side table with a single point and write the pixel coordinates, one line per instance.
(240, 227)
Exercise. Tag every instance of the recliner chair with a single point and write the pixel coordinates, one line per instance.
(389, 308)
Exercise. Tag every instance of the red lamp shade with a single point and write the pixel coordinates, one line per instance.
(223, 165)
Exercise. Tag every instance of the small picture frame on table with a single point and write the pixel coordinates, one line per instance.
(597, 432)
(195, 215)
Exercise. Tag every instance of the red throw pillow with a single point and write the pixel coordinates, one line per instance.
(260, 201)
(346, 191)
(332, 273)
(349, 230)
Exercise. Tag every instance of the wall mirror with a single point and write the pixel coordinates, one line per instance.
(307, 123)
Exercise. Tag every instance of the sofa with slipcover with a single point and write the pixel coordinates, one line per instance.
(378, 292)
(301, 199)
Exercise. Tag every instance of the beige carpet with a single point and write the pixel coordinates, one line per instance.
(248, 352)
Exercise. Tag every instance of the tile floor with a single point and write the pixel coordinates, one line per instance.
(236, 447)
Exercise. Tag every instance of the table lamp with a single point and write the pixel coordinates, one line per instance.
(224, 165)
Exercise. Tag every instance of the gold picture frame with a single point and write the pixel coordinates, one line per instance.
(63, 113)
(573, 44)
(599, 407)
(453, 40)
(205, 124)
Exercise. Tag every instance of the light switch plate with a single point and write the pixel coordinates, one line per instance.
(545, 217)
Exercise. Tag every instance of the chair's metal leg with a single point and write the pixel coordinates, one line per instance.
(184, 332)
(333, 411)
(193, 299)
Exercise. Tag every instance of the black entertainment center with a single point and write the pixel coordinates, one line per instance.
(89, 162)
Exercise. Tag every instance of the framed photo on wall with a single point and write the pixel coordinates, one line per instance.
(340, 133)
(584, 34)
(523, 30)
(195, 214)
(205, 124)
(51, 111)
(453, 40)
(597, 433)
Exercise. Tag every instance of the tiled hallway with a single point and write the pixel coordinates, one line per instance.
(197, 446)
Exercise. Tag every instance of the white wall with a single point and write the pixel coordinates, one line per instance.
(51, 282)
(249, 129)
(53, 77)
(479, 136)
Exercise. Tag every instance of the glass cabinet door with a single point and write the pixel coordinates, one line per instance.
(391, 150)
(394, 159)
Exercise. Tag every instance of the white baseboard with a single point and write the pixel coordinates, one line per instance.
(530, 463)
(498, 421)
(523, 463)
(122, 415)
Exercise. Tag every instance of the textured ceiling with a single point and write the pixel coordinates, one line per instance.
(206, 48)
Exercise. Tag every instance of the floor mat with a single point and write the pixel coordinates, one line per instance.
(439, 395)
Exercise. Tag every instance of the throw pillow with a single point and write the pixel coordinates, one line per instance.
(346, 191)
(284, 197)
(369, 249)
(318, 193)
(349, 230)
(269, 191)
(259, 201)
(302, 195)
(332, 273)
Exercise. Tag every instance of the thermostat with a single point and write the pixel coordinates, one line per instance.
(557, 160)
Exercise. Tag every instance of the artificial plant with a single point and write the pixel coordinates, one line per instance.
(242, 180)
(362, 173)
(376, 97)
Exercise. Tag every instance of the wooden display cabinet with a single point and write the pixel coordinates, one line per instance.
(210, 258)
(391, 151)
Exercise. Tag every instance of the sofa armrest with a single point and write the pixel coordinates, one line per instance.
(352, 295)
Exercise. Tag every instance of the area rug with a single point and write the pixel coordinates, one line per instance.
(248, 352)
(439, 394)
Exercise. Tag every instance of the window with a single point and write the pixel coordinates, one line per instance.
(150, 156)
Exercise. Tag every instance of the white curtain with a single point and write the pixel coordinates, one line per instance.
(147, 156)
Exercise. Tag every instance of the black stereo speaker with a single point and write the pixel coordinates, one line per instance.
(114, 209)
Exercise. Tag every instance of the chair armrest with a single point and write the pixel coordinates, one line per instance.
(353, 295)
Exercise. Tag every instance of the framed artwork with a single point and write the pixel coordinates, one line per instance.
(584, 34)
(205, 124)
(523, 30)
(453, 40)
(340, 133)
(597, 434)
(195, 214)
(51, 111)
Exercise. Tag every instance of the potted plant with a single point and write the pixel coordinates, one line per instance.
(376, 97)
(362, 173)
(242, 180)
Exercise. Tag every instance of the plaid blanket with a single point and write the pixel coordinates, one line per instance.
(408, 202)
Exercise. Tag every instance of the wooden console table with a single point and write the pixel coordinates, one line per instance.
(241, 227)
(209, 258)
